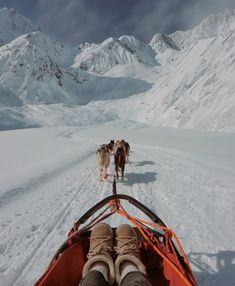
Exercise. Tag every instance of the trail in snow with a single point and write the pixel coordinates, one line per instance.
(36, 217)
(195, 199)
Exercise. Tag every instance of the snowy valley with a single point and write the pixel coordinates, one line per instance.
(155, 83)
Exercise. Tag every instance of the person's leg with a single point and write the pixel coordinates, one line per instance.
(136, 278)
(128, 262)
(100, 254)
(93, 278)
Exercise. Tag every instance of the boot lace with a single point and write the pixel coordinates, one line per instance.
(126, 245)
(100, 246)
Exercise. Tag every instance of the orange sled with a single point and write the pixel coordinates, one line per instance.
(165, 261)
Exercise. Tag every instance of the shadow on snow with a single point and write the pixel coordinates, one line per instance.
(214, 269)
(143, 163)
(137, 178)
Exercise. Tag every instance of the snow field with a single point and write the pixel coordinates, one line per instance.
(190, 191)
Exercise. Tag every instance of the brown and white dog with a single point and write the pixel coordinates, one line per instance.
(103, 161)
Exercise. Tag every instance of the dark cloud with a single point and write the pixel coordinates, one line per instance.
(78, 21)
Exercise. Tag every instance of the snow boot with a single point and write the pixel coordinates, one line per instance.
(127, 250)
(101, 249)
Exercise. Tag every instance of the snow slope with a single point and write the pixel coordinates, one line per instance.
(49, 179)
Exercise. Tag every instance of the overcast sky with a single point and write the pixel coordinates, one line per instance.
(79, 21)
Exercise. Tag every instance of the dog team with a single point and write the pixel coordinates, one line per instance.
(120, 149)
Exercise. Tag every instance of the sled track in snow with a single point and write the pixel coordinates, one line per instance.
(144, 191)
(31, 185)
(59, 218)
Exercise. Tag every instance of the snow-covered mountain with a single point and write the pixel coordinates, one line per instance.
(198, 90)
(180, 80)
(215, 25)
(162, 43)
(35, 69)
(12, 25)
(99, 58)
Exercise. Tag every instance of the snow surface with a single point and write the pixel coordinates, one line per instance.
(49, 179)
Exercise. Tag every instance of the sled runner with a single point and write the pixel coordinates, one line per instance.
(160, 250)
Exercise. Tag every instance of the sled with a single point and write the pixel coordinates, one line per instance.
(160, 250)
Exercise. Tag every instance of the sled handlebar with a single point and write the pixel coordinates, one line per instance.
(131, 200)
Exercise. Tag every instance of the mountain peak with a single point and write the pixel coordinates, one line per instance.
(161, 42)
(14, 25)
(99, 58)
(211, 26)
(214, 24)
(132, 43)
